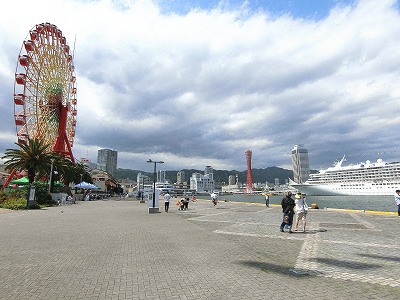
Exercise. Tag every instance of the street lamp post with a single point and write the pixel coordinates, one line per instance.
(141, 188)
(154, 179)
(51, 174)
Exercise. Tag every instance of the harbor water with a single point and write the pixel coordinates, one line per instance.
(377, 203)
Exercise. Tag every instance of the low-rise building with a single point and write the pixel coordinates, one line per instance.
(104, 181)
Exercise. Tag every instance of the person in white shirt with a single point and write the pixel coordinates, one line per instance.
(167, 198)
(301, 209)
(397, 199)
(214, 198)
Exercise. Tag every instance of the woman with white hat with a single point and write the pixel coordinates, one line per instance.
(301, 210)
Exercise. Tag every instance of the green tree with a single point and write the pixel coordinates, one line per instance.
(34, 156)
(65, 168)
(72, 172)
(82, 173)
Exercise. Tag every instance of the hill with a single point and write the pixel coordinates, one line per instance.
(259, 175)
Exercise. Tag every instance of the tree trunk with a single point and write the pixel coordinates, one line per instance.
(31, 175)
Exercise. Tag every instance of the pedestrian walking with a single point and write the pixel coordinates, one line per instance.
(397, 199)
(288, 205)
(167, 198)
(214, 198)
(88, 196)
(301, 210)
(267, 200)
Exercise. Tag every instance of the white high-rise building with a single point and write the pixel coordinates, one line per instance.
(300, 163)
(107, 160)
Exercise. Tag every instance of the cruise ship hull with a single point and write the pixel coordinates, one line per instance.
(366, 178)
(345, 189)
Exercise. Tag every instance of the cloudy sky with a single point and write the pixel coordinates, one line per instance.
(196, 83)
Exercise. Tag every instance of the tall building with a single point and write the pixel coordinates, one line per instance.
(233, 185)
(300, 164)
(249, 177)
(107, 160)
(232, 179)
(161, 176)
(180, 177)
(209, 171)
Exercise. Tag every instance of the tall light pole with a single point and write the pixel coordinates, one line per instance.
(154, 178)
(51, 173)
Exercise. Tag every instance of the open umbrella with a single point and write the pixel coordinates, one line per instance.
(21, 181)
(82, 185)
(86, 185)
(94, 187)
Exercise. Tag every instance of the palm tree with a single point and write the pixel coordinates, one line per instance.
(34, 156)
(64, 166)
(68, 170)
(82, 173)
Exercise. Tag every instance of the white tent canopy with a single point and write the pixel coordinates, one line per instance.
(86, 185)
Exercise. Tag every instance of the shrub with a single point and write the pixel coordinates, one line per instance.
(14, 203)
(42, 196)
(3, 197)
(17, 198)
(7, 194)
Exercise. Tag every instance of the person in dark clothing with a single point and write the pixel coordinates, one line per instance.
(186, 203)
(182, 205)
(288, 205)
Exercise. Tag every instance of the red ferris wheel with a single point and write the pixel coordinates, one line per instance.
(45, 89)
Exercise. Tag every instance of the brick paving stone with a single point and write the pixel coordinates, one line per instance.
(114, 249)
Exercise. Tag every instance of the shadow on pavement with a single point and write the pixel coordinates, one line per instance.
(388, 258)
(272, 268)
(346, 264)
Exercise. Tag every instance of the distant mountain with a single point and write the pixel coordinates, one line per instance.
(259, 175)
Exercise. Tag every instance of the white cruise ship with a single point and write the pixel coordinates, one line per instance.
(379, 178)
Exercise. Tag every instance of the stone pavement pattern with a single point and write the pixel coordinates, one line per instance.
(115, 250)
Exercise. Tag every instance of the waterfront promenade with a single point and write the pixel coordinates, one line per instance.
(114, 249)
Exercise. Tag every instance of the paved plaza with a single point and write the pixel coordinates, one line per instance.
(115, 249)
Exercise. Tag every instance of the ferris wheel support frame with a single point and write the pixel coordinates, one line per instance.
(62, 141)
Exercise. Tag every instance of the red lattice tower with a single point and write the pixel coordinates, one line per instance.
(249, 178)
